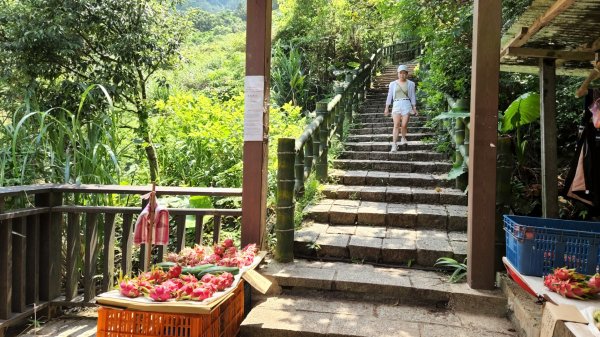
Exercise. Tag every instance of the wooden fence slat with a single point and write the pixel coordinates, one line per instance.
(6, 265)
(180, 236)
(161, 252)
(127, 244)
(73, 255)
(91, 243)
(33, 259)
(216, 228)
(50, 246)
(108, 263)
(19, 241)
(199, 229)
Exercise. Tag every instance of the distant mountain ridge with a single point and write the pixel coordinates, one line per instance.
(212, 5)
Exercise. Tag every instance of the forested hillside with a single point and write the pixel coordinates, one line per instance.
(213, 5)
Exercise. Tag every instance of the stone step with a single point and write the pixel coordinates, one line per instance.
(382, 137)
(399, 215)
(399, 155)
(393, 166)
(406, 195)
(381, 178)
(323, 313)
(397, 286)
(380, 118)
(385, 245)
(386, 124)
(377, 111)
(386, 146)
(388, 129)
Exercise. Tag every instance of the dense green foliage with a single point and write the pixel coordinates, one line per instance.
(318, 41)
(51, 50)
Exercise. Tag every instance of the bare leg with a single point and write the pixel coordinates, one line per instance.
(396, 118)
(405, 125)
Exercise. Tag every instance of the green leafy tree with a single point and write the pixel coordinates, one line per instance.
(50, 46)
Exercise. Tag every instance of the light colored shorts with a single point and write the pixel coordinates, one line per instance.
(402, 107)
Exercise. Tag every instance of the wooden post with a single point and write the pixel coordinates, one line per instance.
(284, 227)
(548, 138)
(127, 243)
(108, 260)
(50, 246)
(482, 153)
(89, 263)
(73, 255)
(6, 264)
(321, 164)
(256, 121)
(33, 259)
(19, 251)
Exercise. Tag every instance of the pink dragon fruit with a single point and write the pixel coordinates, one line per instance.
(550, 281)
(174, 272)
(594, 284)
(207, 278)
(562, 274)
(188, 278)
(160, 293)
(227, 243)
(218, 250)
(201, 293)
(129, 289)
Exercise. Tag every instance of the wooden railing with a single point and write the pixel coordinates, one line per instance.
(298, 158)
(51, 241)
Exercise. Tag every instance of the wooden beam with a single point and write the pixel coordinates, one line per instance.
(513, 41)
(256, 121)
(557, 8)
(548, 138)
(482, 148)
(569, 55)
(530, 69)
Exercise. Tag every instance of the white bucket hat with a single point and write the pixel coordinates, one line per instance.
(402, 67)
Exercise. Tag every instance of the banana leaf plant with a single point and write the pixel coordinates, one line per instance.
(522, 111)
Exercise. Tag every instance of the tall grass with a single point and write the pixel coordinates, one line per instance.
(57, 145)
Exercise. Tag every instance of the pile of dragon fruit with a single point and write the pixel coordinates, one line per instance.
(193, 274)
(571, 284)
(224, 254)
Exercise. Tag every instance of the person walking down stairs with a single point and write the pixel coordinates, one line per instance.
(401, 95)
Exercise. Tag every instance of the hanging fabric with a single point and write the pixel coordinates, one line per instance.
(583, 181)
(160, 234)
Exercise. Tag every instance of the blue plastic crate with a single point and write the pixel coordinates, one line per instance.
(535, 246)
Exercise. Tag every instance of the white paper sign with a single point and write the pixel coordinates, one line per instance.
(254, 96)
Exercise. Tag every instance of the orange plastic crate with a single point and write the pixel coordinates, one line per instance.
(223, 321)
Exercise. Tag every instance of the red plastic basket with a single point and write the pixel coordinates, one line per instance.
(223, 321)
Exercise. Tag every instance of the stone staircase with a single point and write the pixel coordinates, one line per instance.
(382, 212)
(393, 208)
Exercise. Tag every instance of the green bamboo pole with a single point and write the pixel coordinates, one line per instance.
(339, 111)
(299, 172)
(284, 225)
(321, 165)
(459, 141)
(308, 157)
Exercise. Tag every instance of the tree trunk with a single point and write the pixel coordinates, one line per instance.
(152, 160)
(144, 133)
